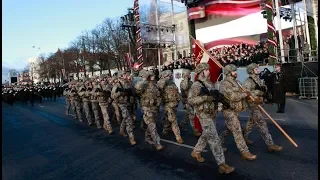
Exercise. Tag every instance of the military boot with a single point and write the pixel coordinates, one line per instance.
(122, 133)
(197, 156)
(225, 169)
(132, 141)
(179, 140)
(159, 147)
(248, 156)
(274, 148)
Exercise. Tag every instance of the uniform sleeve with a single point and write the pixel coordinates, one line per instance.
(193, 96)
(140, 86)
(232, 94)
(115, 94)
(183, 85)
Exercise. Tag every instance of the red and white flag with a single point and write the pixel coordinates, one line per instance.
(224, 8)
(202, 56)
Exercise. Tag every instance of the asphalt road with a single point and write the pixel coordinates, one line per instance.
(41, 142)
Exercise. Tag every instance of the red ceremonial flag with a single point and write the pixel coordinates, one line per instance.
(200, 56)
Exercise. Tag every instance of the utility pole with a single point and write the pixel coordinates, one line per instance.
(280, 31)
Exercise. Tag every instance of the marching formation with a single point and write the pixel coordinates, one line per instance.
(96, 97)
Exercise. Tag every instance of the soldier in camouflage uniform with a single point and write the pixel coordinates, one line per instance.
(132, 105)
(205, 110)
(66, 93)
(85, 96)
(104, 100)
(231, 90)
(254, 84)
(150, 102)
(75, 101)
(95, 103)
(114, 103)
(143, 78)
(184, 87)
(120, 92)
(170, 99)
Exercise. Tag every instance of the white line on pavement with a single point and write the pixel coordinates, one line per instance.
(41, 106)
(183, 145)
(265, 118)
(303, 103)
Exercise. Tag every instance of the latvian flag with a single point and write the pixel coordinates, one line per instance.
(129, 60)
(224, 8)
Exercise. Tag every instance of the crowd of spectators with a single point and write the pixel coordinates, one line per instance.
(242, 54)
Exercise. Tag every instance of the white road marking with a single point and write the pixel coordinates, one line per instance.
(183, 145)
(72, 115)
(303, 103)
(265, 118)
(41, 106)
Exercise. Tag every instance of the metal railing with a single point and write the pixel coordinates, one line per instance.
(298, 55)
(308, 88)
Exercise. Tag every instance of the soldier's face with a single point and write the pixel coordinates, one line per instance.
(234, 74)
(256, 70)
(152, 78)
(278, 68)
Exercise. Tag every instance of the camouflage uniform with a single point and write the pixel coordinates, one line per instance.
(150, 102)
(104, 99)
(118, 93)
(185, 85)
(66, 93)
(205, 110)
(75, 101)
(231, 90)
(95, 104)
(171, 99)
(132, 99)
(114, 103)
(85, 96)
(256, 117)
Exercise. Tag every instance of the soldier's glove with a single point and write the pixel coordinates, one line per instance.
(248, 93)
(210, 99)
(258, 100)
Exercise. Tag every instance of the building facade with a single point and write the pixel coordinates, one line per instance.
(182, 40)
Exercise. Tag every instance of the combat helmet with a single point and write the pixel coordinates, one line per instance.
(228, 69)
(142, 72)
(165, 73)
(201, 67)
(251, 67)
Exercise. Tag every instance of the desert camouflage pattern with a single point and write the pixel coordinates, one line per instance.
(206, 114)
(256, 118)
(231, 90)
(185, 85)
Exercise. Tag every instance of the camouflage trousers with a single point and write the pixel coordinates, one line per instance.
(76, 109)
(256, 119)
(132, 111)
(87, 111)
(210, 136)
(116, 111)
(151, 134)
(105, 115)
(170, 121)
(95, 109)
(233, 125)
(189, 116)
(68, 105)
(127, 122)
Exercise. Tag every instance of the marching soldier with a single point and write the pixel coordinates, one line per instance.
(150, 102)
(231, 90)
(205, 110)
(75, 101)
(114, 103)
(104, 99)
(254, 84)
(120, 92)
(184, 87)
(95, 103)
(85, 96)
(171, 99)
